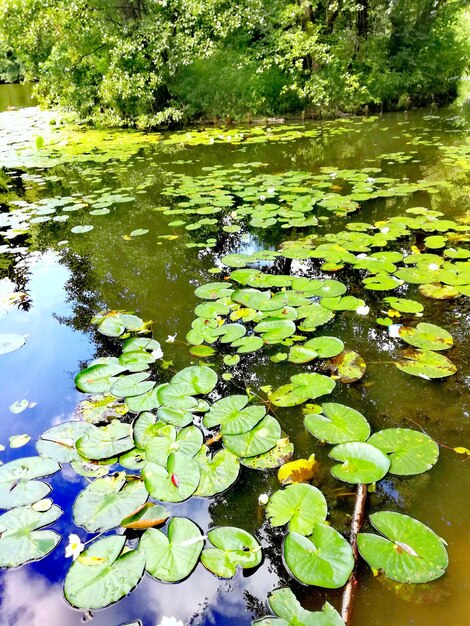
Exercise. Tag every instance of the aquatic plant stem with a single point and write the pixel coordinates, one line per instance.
(356, 525)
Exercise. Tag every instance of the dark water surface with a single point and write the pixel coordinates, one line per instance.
(67, 278)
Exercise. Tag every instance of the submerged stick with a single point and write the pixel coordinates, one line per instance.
(356, 525)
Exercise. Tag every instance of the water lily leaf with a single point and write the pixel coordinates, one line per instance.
(300, 505)
(409, 551)
(323, 559)
(103, 574)
(175, 482)
(231, 360)
(417, 275)
(337, 424)
(233, 547)
(382, 282)
(213, 291)
(81, 229)
(299, 471)
(18, 406)
(98, 378)
(136, 361)
(138, 232)
(276, 330)
(438, 291)
(202, 351)
(134, 344)
(404, 305)
(349, 366)
(103, 504)
(103, 442)
(232, 414)
(248, 344)
(323, 347)
(277, 456)
(101, 408)
(229, 332)
(362, 462)
(410, 451)
(426, 336)
(177, 417)
(177, 395)
(145, 401)
(426, 364)
(146, 516)
(314, 315)
(202, 379)
(18, 441)
(285, 605)
(302, 388)
(17, 487)
(58, 442)
(167, 439)
(218, 472)
(172, 557)
(256, 441)
(20, 539)
(132, 385)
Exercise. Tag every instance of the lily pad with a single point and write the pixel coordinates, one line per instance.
(233, 547)
(426, 364)
(103, 442)
(349, 366)
(362, 462)
(17, 487)
(277, 456)
(409, 551)
(337, 424)
(175, 482)
(172, 557)
(58, 442)
(103, 574)
(288, 609)
(106, 501)
(324, 558)
(256, 441)
(410, 451)
(232, 414)
(98, 378)
(300, 505)
(302, 388)
(202, 379)
(218, 472)
(132, 385)
(426, 336)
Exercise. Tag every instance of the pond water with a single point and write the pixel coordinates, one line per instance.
(145, 191)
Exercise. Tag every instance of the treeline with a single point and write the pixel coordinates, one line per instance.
(147, 63)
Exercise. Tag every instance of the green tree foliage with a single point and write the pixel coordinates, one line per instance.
(150, 62)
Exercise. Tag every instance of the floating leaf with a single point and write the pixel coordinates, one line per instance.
(426, 336)
(410, 451)
(362, 462)
(409, 551)
(146, 516)
(218, 472)
(18, 441)
(302, 388)
(232, 414)
(132, 385)
(175, 482)
(324, 559)
(58, 442)
(202, 379)
(438, 291)
(300, 505)
(285, 605)
(233, 547)
(166, 439)
(277, 456)
(426, 364)
(18, 406)
(349, 366)
(337, 424)
(103, 574)
(98, 378)
(20, 539)
(256, 441)
(172, 557)
(300, 471)
(16, 485)
(103, 504)
(103, 442)
(404, 305)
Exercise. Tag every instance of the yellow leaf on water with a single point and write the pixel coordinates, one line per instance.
(299, 471)
(462, 450)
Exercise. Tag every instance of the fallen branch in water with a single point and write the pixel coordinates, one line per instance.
(356, 525)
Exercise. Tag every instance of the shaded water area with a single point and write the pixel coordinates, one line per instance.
(54, 280)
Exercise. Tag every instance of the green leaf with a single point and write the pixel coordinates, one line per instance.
(256, 441)
(202, 379)
(410, 451)
(233, 547)
(136, 361)
(302, 388)
(248, 344)
(172, 557)
(285, 605)
(438, 291)
(132, 385)
(362, 462)
(337, 424)
(175, 482)
(103, 574)
(17, 487)
(166, 439)
(103, 504)
(275, 331)
(324, 559)
(409, 552)
(232, 414)
(300, 505)
(426, 336)
(103, 442)
(98, 378)
(218, 471)
(404, 305)
(426, 364)
(349, 366)
(20, 539)
(213, 291)
(58, 442)
(323, 347)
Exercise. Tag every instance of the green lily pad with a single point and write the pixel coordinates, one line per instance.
(101, 408)
(322, 347)
(337, 424)
(81, 229)
(324, 558)
(302, 388)
(404, 305)
(256, 441)
(177, 395)
(218, 472)
(202, 351)
(103, 574)
(202, 379)
(10, 342)
(98, 378)
(438, 291)
(175, 482)
(134, 344)
(288, 609)
(132, 385)
(21, 541)
(232, 414)
(349, 366)
(213, 291)
(248, 344)
(233, 547)
(426, 364)
(362, 462)
(272, 459)
(409, 551)
(167, 439)
(136, 360)
(145, 401)
(176, 417)
(17, 487)
(229, 332)
(106, 501)
(172, 557)
(426, 336)
(104, 442)
(58, 442)
(410, 451)
(275, 331)
(300, 505)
